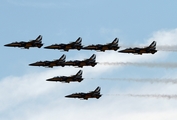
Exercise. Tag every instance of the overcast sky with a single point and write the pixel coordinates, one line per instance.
(130, 92)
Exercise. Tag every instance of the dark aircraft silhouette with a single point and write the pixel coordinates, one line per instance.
(32, 43)
(85, 96)
(81, 63)
(150, 49)
(58, 62)
(67, 79)
(110, 46)
(66, 47)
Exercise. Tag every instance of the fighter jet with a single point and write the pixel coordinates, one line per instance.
(67, 79)
(32, 43)
(50, 64)
(85, 96)
(81, 63)
(66, 47)
(150, 49)
(109, 46)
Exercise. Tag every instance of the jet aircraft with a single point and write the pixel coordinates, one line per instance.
(67, 79)
(66, 47)
(81, 63)
(150, 49)
(109, 46)
(58, 62)
(85, 96)
(32, 43)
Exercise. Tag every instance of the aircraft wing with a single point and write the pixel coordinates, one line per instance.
(128, 50)
(56, 46)
(72, 63)
(91, 47)
(100, 47)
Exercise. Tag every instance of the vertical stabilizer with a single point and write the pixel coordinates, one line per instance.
(79, 40)
(115, 41)
(98, 89)
(79, 73)
(153, 44)
(63, 58)
(39, 38)
(93, 57)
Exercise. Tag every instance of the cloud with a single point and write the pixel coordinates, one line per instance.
(164, 37)
(166, 40)
(31, 97)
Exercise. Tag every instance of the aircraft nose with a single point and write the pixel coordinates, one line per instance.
(68, 96)
(7, 45)
(49, 79)
(122, 51)
(32, 64)
(47, 47)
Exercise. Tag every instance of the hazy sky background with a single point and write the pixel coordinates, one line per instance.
(24, 93)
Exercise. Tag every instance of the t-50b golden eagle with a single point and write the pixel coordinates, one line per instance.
(85, 96)
(32, 43)
(66, 47)
(99, 47)
(51, 64)
(67, 79)
(150, 49)
(80, 63)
